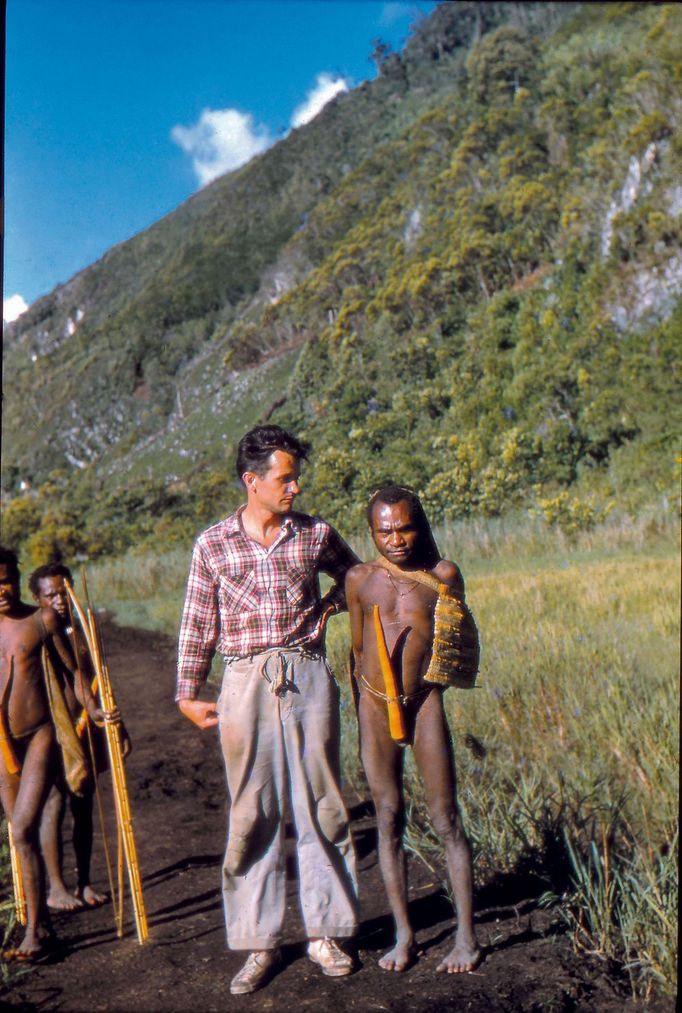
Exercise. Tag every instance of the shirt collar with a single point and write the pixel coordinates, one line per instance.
(231, 523)
(290, 523)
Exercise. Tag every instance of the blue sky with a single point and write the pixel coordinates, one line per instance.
(117, 110)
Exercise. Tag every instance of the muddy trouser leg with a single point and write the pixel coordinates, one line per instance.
(326, 858)
(254, 872)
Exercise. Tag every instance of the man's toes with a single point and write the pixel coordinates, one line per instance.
(64, 902)
(91, 898)
(388, 964)
(459, 964)
(397, 959)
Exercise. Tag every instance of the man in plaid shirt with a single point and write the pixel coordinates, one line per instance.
(253, 595)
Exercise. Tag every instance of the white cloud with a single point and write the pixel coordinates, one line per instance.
(222, 140)
(13, 308)
(326, 87)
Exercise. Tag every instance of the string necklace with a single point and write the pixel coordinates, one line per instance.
(402, 594)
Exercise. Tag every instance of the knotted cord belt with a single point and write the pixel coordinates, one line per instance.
(402, 697)
(275, 665)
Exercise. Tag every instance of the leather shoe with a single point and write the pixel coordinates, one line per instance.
(332, 959)
(256, 972)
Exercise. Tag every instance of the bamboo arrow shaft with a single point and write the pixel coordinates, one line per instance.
(85, 722)
(120, 786)
(83, 719)
(17, 880)
(114, 748)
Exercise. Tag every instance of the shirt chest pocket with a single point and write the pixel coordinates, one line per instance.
(239, 592)
(299, 588)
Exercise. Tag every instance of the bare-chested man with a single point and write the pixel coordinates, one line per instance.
(403, 537)
(48, 587)
(29, 740)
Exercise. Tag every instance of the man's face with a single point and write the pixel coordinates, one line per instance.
(52, 594)
(395, 531)
(9, 588)
(277, 489)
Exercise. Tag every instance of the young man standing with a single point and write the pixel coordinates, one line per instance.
(28, 738)
(391, 602)
(253, 595)
(47, 585)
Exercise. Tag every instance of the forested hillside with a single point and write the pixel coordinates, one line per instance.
(465, 275)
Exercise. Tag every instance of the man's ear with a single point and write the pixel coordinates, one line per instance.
(249, 479)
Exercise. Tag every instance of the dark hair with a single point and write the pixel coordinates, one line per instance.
(390, 494)
(258, 444)
(48, 570)
(9, 559)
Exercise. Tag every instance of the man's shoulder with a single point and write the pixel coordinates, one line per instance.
(31, 613)
(361, 572)
(221, 529)
(311, 524)
(448, 573)
(308, 520)
(31, 617)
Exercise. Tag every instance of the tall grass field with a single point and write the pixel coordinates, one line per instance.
(568, 750)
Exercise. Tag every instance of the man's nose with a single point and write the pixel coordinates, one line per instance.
(396, 538)
(294, 487)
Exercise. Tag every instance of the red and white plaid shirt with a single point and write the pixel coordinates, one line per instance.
(243, 598)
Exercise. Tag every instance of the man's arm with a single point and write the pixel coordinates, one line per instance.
(81, 683)
(449, 573)
(354, 579)
(336, 560)
(198, 637)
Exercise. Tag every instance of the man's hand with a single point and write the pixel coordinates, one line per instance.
(96, 714)
(126, 743)
(326, 615)
(202, 713)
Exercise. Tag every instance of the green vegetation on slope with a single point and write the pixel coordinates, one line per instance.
(492, 329)
(468, 271)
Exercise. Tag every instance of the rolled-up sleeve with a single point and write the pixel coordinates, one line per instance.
(336, 560)
(199, 628)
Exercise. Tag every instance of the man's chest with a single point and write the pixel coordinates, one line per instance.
(19, 638)
(249, 580)
(402, 602)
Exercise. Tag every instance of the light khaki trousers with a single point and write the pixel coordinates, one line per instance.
(279, 731)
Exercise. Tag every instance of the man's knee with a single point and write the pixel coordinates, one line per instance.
(54, 806)
(251, 833)
(333, 822)
(390, 818)
(447, 822)
(24, 832)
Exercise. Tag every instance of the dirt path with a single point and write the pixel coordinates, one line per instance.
(176, 784)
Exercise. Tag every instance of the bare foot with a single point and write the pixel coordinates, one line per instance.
(90, 897)
(33, 946)
(461, 958)
(399, 958)
(59, 899)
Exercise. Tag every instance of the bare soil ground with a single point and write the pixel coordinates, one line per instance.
(178, 800)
